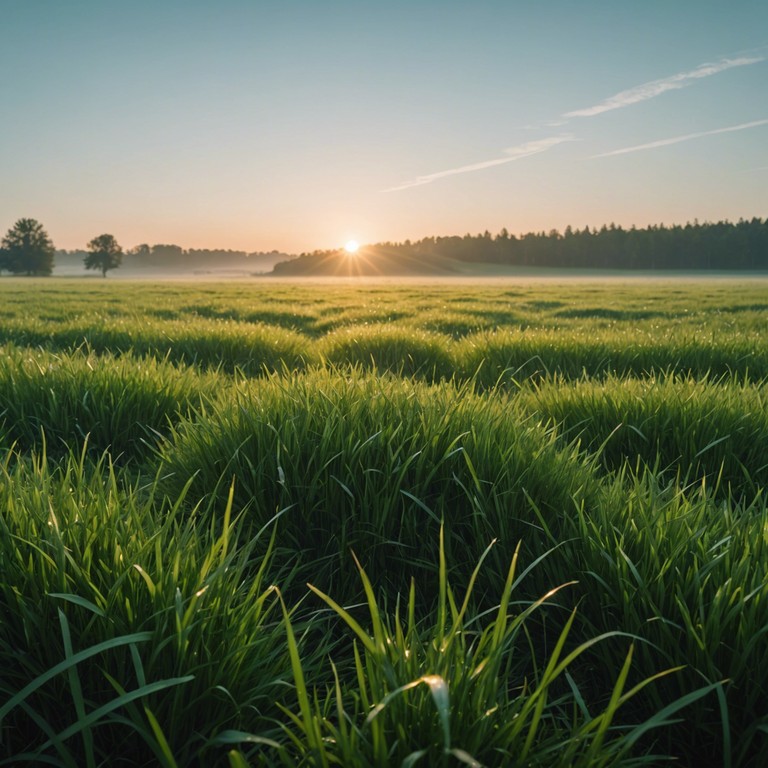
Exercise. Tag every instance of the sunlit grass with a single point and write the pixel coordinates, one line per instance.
(150, 599)
(682, 427)
(390, 348)
(510, 357)
(222, 345)
(356, 461)
(122, 404)
(178, 461)
(458, 687)
(685, 571)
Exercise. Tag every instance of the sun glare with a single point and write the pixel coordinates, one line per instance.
(351, 246)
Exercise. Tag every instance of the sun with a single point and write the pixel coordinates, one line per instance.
(351, 246)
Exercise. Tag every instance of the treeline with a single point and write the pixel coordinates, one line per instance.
(696, 246)
(176, 257)
(27, 249)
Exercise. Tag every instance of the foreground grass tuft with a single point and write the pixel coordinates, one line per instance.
(128, 629)
(455, 687)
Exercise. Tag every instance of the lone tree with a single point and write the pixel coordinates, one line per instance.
(26, 248)
(104, 254)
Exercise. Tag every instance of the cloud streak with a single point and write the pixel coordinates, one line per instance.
(656, 87)
(678, 139)
(620, 100)
(511, 154)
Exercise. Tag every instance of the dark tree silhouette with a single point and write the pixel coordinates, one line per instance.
(27, 249)
(142, 251)
(103, 253)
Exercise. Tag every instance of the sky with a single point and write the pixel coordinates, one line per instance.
(298, 125)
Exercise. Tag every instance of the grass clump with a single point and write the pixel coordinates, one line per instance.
(224, 344)
(399, 349)
(455, 687)
(684, 570)
(686, 427)
(374, 464)
(117, 404)
(510, 357)
(128, 629)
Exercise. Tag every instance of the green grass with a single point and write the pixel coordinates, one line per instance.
(485, 334)
(686, 571)
(220, 345)
(514, 356)
(514, 707)
(375, 464)
(122, 404)
(408, 352)
(154, 599)
(693, 429)
(377, 524)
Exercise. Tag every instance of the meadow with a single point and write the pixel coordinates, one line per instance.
(372, 524)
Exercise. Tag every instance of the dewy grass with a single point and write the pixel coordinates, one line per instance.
(686, 572)
(511, 357)
(693, 428)
(121, 619)
(391, 348)
(455, 687)
(121, 404)
(209, 344)
(506, 335)
(375, 464)
(140, 611)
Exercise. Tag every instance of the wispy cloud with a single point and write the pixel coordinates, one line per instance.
(678, 139)
(510, 155)
(657, 87)
(622, 99)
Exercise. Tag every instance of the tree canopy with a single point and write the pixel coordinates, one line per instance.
(27, 249)
(104, 253)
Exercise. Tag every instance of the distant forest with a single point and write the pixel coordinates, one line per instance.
(174, 257)
(708, 246)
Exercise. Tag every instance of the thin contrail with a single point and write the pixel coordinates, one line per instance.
(656, 87)
(511, 154)
(678, 139)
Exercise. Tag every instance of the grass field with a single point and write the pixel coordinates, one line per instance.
(376, 524)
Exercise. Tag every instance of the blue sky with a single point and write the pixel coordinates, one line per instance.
(256, 124)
